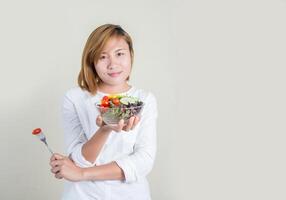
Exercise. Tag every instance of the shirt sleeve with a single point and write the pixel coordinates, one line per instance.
(138, 164)
(73, 133)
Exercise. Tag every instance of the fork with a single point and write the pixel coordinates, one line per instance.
(38, 132)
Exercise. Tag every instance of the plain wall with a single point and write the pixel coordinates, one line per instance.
(217, 69)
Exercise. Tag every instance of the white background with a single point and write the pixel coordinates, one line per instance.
(217, 69)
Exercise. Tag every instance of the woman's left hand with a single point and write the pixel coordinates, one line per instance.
(64, 167)
(131, 124)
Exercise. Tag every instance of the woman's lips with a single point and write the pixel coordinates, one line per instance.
(114, 74)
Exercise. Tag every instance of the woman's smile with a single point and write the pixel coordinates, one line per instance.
(114, 74)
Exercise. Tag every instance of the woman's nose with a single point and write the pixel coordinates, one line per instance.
(112, 63)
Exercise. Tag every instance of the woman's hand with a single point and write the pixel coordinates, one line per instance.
(132, 122)
(64, 167)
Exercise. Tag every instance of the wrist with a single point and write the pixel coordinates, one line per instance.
(105, 129)
(84, 174)
(88, 174)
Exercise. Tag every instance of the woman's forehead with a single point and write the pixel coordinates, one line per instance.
(115, 44)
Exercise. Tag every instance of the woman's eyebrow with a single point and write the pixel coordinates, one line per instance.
(115, 50)
(120, 49)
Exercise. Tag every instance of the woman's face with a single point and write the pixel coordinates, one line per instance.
(114, 64)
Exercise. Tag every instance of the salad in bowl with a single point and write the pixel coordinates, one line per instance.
(113, 108)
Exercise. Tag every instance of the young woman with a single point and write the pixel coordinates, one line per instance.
(106, 162)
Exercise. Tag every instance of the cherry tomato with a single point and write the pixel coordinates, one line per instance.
(105, 98)
(116, 101)
(36, 131)
(105, 103)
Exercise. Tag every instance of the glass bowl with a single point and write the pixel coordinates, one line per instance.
(112, 116)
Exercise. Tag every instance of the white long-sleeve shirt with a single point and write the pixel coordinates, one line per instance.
(133, 151)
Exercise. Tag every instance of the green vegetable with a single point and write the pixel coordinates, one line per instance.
(128, 100)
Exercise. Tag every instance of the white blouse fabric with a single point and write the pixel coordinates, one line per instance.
(133, 151)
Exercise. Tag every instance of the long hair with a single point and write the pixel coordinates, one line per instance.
(88, 78)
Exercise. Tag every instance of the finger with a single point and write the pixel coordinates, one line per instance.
(58, 156)
(55, 169)
(136, 121)
(118, 127)
(58, 175)
(130, 123)
(99, 121)
(54, 157)
(57, 163)
(51, 160)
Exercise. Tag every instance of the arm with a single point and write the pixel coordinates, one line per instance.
(73, 132)
(137, 165)
(91, 149)
(64, 167)
(82, 151)
(130, 167)
(140, 162)
(110, 171)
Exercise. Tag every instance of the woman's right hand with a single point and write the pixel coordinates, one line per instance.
(132, 122)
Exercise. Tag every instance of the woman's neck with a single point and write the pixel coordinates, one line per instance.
(113, 89)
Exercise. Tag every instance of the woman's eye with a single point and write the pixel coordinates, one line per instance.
(120, 54)
(102, 57)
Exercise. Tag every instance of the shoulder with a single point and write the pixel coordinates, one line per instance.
(76, 93)
(150, 101)
(145, 96)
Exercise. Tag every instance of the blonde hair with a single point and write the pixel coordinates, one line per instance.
(88, 78)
